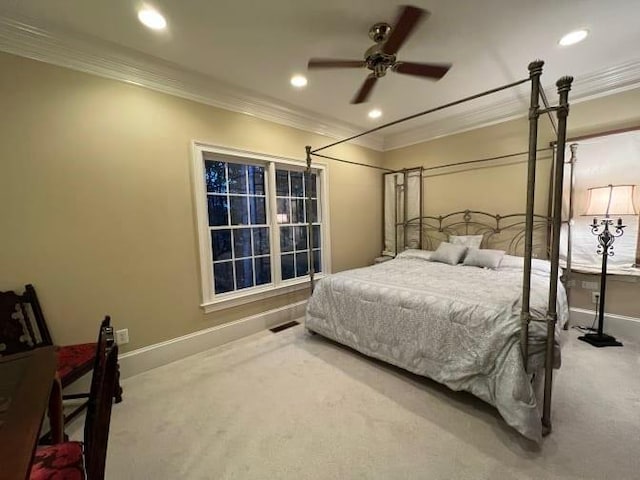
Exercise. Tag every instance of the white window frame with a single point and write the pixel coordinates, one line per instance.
(210, 300)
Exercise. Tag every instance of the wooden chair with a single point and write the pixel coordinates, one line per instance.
(23, 327)
(73, 460)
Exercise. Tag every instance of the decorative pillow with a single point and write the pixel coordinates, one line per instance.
(449, 253)
(537, 265)
(471, 241)
(413, 253)
(477, 257)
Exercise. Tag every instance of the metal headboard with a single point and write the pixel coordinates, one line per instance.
(502, 232)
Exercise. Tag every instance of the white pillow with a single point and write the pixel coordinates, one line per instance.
(471, 241)
(484, 258)
(414, 253)
(449, 253)
(517, 263)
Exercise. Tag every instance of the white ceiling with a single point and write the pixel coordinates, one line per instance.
(256, 45)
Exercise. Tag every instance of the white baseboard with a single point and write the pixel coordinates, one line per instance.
(152, 356)
(620, 326)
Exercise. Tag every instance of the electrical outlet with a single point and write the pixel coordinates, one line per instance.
(122, 336)
(590, 285)
(595, 297)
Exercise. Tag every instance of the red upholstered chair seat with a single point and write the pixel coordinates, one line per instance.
(75, 361)
(63, 461)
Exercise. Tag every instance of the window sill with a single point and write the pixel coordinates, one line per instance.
(256, 295)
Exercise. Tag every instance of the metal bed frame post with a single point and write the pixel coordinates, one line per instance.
(568, 274)
(384, 213)
(309, 220)
(535, 71)
(395, 209)
(405, 206)
(421, 208)
(550, 199)
(395, 212)
(564, 85)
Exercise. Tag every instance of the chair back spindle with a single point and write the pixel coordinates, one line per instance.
(103, 384)
(16, 331)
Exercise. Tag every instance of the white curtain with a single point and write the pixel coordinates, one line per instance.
(612, 159)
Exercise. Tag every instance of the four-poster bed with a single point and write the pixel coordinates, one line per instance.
(541, 299)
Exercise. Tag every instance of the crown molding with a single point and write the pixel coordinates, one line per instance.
(601, 83)
(98, 57)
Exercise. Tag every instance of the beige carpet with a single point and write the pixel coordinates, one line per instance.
(292, 406)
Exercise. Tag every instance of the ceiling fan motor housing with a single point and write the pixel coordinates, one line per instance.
(377, 61)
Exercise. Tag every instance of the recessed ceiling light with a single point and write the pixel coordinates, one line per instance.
(152, 18)
(574, 37)
(299, 81)
(375, 113)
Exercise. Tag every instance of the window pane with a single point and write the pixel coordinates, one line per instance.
(215, 176)
(237, 178)
(297, 210)
(218, 210)
(313, 185)
(302, 264)
(223, 277)
(300, 238)
(244, 273)
(314, 212)
(263, 270)
(256, 180)
(316, 236)
(221, 244)
(288, 270)
(261, 241)
(283, 210)
(258, 212)
(242, 242)
(286, 239)
(282, 183)
(237, 197)
(296, 184)
(239, 211)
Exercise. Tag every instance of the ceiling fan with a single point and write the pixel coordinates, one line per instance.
(382, 56)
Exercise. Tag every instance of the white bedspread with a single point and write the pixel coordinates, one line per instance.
(455, 324)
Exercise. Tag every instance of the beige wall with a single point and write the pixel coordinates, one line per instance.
(500, 186)
(96, 202)
(96, 199)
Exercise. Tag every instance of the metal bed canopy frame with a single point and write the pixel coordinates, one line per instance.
(535, 111)
(493, 222)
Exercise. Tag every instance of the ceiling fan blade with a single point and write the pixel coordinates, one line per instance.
(430, 70)
(406, 23)
(365, 89)
(334, 63)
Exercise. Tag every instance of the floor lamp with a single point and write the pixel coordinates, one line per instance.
(616, 200)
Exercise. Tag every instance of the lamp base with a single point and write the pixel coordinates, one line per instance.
(600, 341)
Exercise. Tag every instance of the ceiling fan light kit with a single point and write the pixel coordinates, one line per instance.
(381, 56)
